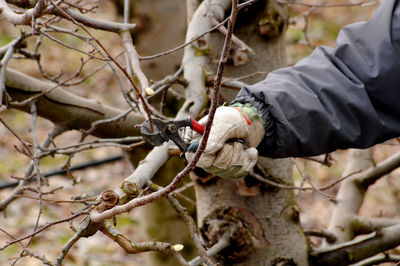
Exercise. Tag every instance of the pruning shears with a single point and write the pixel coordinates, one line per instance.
(169, 130)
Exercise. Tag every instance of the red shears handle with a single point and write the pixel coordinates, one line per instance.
(199, 128)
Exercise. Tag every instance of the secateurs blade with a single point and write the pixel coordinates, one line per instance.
(169, 130)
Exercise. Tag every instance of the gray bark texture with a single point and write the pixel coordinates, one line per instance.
(274, 209)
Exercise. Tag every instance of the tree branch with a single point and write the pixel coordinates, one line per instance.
(134, 248)
(352, 190)
(363, 225)
(20, 188)
(381, 169)
(359, 249)
(189, 223)
(95, 23)
(224, 242)
(378, 259)
(74, 112)
(349, 197)
(24, 18)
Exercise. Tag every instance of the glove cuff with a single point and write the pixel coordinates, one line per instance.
(250, 111)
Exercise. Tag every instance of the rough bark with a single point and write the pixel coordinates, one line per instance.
(275, 209)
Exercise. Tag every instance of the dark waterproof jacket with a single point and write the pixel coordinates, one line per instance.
(335, 98)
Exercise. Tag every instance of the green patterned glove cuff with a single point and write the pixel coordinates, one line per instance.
(251, 112)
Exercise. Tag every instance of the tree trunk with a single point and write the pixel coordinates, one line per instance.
(265, 225)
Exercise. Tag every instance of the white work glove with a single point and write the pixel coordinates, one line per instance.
(231, 159)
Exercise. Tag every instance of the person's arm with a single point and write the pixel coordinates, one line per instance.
(335, 98)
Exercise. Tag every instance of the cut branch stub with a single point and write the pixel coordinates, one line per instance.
(246, 233)
(131, 191)
(272, 25)
(201, 47)
(108, 200)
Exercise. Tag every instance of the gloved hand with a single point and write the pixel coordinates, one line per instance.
(232, 159)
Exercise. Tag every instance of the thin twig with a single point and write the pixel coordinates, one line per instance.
(183, 45)
(42, 258)
(57, 201)
(38, 174)
(25, 143)
(41, 229)
(305, 177)
(28, 172)
(165, 83)
(3, 66)
(66, 248)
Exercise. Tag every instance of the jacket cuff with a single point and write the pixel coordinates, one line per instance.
(267, 147)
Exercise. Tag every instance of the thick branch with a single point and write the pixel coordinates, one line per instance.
(357, 250)
(64, 108)
(352, 191)
(349, 197)
(378, 259)
(373, 174)
(193, 63)
(24, 18)
(362, 225)
(134, 59)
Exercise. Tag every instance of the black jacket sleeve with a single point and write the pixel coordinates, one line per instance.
(335, 98)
